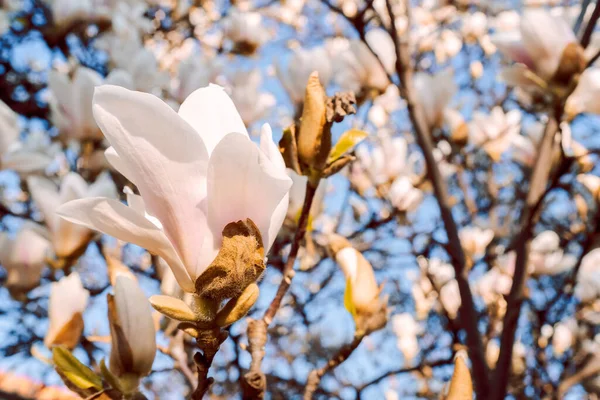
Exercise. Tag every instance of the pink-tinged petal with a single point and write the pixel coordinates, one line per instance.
(72, 187)
(115, 161)
(45, 196)
(212, 114)
(85, 81)
(165, 157)
(512, 47)
(270, 149)
(114, 218)
(243, 183)
(585, 97)
(545, 38)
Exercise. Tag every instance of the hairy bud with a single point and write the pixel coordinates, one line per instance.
(314, 136)
(239, 263)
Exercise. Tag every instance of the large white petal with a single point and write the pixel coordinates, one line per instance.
(212, 114)
(165, 157)
(115, 161)
(243, 183)
(116, 219)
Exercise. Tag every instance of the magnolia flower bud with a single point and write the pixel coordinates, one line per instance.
(314, 137)
(461, 385)
(131, 330)
(239, 263)
(362, 293)
(68, 299)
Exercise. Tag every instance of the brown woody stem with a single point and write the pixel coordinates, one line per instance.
(208, 342)
(315, 376)
(468, 314)
(254, 382)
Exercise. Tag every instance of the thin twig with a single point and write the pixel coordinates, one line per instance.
(254, 382)
(591, 25)
(314, 378)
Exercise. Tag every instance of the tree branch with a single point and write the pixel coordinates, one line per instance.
(468, 314)
(539, 180)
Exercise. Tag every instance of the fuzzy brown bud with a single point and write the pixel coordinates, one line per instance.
(239, 263)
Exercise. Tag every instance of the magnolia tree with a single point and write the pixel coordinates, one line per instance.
(310, 198)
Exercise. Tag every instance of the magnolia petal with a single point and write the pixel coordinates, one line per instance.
(212, 114)
(166, 158)
(135, 318)
(45, 196)
(116, 219)
(115, 161)
(545, 38)
(72, 187)
(511, 46)
(67, 299)
(243, 183)
(85, 81)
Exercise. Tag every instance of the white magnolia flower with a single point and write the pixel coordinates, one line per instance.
(524, 147)
(546, 257)
(68, 299)
(495, 132)
(5, 22)
(384, 105)
(493, 285)
(403, 195)
(450, 298)
(67, 238)
(245, 30)
(194, 73)
(301, 64)
(388, 159)
(9, 127)
(406, 329)
(32, 155)
(588, 277)
(447, 46)
(71, 103)
(584, 98)
(358, 68)
(132, 330)
(474, 26)
(252, 103)
(144, 70)
(434, 93)
(203, 175)
(475, 240)
(564, 337)
(537, 47)
(24, 256)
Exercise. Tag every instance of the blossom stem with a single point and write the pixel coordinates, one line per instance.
(315, 376)
(254, 381)
(208, 342)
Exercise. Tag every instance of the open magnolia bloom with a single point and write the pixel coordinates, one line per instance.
(475, 240)
(434, 93)
(195, 72)
(245, 30)
(197, 172)
(359, 69)
(71, 104)
(67, 238)
(131, 330)
(24, 256)
(495, 132)
(32, 155)
(68, 300)
(547, 257)
(545, 50)
(301, 64)
(406, 329)
(564, 336)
